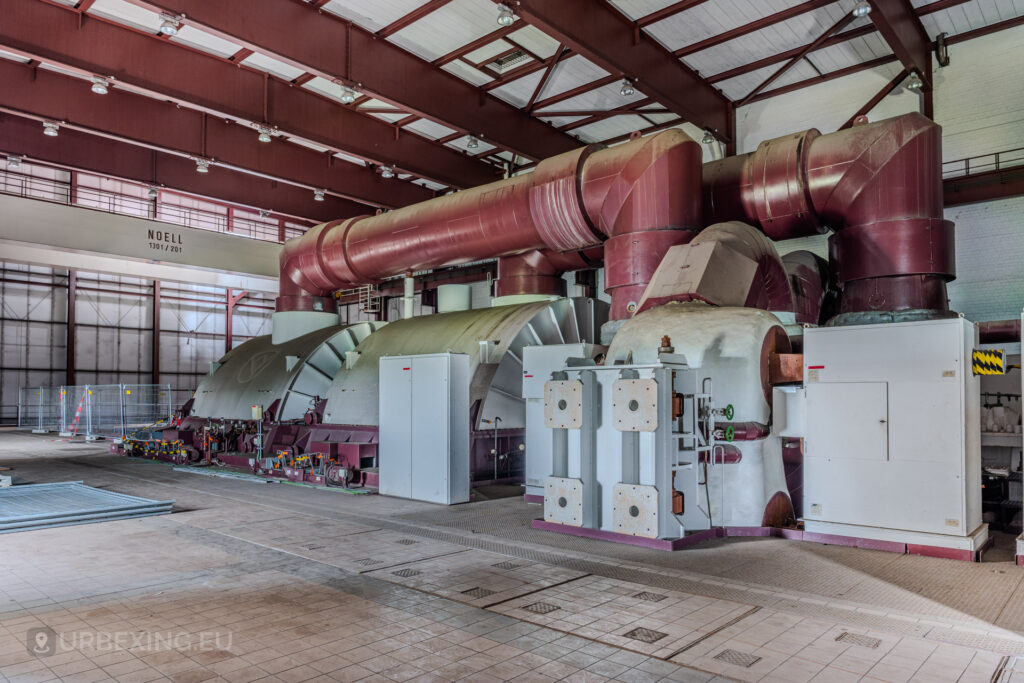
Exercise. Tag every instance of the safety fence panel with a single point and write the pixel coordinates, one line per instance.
(94, 410)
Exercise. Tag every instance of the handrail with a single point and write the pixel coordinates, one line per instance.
(983, 163)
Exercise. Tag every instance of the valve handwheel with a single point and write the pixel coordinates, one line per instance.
(730, 433)
(729, 412)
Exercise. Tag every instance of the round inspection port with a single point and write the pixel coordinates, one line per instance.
(634, 405)
(562, 502)
(562, 404)
(634, 511)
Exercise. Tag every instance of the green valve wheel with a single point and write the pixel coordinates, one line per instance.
(729, 412)
(730, 433)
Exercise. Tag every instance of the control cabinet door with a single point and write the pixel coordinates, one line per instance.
(848, 420)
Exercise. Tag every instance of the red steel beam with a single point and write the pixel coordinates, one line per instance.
(606, 38)
(74, 149)
(878, 97)
(58, 35)
(666, 12)
(412, 17)
(902, 30)
(984, 187)
(127, 116)
(330, 47)
(828, 76)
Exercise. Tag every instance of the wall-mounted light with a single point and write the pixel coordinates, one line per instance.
(709, 138)
(153, 192)
(169, 24)
(914, 83)
(627, 88)
(13, 162)
(51, 129)
(265, 134)
(472, 142)
(505, 16)
(861, 9)
(99, 85)
(202, 165)
(318, 195)
(387, 172)
(348, 95)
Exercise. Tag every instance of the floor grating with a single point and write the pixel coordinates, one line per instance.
(367, 562)
(541, 607)
(406, 573)
(478, 592)
(650, 597)
(857, 639)
(645, 635)
(406, 541)
(508, 565)
(738, 658)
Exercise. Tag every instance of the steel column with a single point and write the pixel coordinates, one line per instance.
(70, 346)
(155, 347)
(232, 300)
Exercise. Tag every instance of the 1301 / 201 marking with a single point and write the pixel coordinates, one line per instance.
(165, 240)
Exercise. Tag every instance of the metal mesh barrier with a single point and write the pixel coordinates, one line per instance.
(94, 410)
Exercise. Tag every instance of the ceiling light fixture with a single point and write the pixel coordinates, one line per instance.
(99, 85)
(13, 162)
(264, 213)
(202, 165)
(348, 95)
(473, 142)
(153, 192)
(861, 9)
(387, 172)
(709, 138)
(169, 25)
(318, 195)
(505, 16)
(914, 83)
(627, 88)
(50, 129)
(265, 134)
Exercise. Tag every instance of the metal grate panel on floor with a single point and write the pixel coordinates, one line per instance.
(857, 639)
(39, 506)
(738, 658)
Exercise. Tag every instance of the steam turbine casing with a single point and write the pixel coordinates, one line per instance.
(731, 346)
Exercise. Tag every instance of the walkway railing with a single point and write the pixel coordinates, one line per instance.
(983, 163)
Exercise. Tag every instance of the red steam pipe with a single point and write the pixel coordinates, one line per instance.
(540, 271)
(643, 195)
(999, 331)
(877, 186)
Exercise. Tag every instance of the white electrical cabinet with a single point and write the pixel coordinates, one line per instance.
(424, 427)
(538, 364)
(892, 446)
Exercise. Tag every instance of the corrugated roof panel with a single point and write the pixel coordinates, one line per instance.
(561, 120)
(635, 9)
(535, 40)
(610, 128)
(128, 14)
(390, 118)
(571, 73)
(350, 159)
(517, 92)
(272, 66)
(801, 71)
(306, 143)
(467, 72)
(458, 23)
(14, 57)
(488, 52)
(971, 15)
(205, 42)
(850, 53)
(429, 128)
(710, 19)
(324, 87)
(605, 97)
(377, 104)
(786, 35)
(372, 15)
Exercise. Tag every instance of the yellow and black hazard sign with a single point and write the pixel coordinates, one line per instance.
(990, 362)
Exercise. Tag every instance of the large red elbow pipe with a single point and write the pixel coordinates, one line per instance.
(644, 196)
(877, 186)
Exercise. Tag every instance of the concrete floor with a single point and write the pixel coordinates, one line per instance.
(275, 582)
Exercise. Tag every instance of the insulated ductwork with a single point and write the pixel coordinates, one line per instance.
(877, 186)
(643, 196)
(540, 271)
